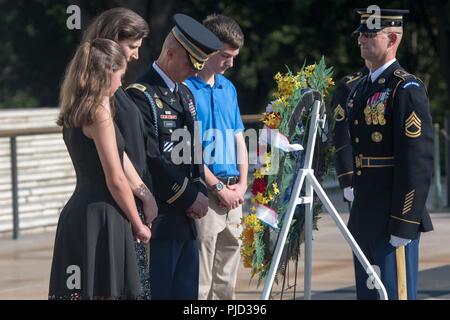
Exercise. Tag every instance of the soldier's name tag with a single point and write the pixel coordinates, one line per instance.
(168, 116)
(169, 124)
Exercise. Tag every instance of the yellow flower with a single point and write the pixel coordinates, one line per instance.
(286, 84)
(310, 68)
(330, 82)
(253, 209)
(251, 220)
(271, 119)
(275, 188)
(261, 199)
(257, 174)
(267, 158)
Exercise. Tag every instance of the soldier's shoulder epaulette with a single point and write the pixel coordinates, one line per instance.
(137, 86)
(352, 77)
(402, 74)
(406, 80)
(406, 76)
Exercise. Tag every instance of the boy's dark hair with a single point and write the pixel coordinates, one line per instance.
(226, 29)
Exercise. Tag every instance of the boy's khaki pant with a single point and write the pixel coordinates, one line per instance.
(219, 251)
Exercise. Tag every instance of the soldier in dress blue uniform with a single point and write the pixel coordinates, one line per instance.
(392, 141)
(167, 105)
(343, 156)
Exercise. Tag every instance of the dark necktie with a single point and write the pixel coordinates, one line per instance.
(367, 83)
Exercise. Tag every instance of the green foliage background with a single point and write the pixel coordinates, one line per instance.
(36, 45)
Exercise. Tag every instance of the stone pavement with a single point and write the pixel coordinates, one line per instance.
(25, 265)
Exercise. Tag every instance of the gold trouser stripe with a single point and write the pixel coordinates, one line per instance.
(180, 192)
(401, 273)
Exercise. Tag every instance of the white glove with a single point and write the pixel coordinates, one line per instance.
(348, 194)
(398, 242)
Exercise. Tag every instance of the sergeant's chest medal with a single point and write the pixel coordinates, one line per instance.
(374, 112)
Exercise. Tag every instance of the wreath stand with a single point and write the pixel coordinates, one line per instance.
(307, 179)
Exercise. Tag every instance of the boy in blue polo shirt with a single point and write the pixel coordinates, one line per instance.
(226, 164)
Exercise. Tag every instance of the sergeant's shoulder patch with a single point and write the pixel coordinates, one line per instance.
(413, 126)
(411, 83)
(339, 113)
(137, 86)
(406, 80)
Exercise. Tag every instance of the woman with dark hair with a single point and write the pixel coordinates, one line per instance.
(94, 256)
(128, 29)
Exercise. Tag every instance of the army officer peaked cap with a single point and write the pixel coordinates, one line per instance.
(196, 39)
(375, 20)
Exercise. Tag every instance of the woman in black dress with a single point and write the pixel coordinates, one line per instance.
(128, 29)
(94, 255)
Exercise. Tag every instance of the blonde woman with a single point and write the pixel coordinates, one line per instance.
(94, 255)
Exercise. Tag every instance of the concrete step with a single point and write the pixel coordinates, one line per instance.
(6, 165)
(35, 209)
(69, 180)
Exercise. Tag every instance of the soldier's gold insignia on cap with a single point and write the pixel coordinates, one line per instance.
(339, 113)
(381, 80)
(137, 86)
(159, 103)
(413, 126)
(377, 136)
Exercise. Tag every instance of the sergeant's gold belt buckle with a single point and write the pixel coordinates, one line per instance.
(373, 162)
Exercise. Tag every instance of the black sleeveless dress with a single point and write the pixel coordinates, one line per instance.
(94, 255)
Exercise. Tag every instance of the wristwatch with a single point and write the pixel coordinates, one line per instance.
(218, 186)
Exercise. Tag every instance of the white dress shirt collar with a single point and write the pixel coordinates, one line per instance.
(375, 74)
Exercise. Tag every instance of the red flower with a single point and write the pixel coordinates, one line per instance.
(259, 185)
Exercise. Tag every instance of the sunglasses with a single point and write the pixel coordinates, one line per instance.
(367, 35)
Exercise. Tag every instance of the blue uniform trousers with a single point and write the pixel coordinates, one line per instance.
(382, 255)
(174, 269)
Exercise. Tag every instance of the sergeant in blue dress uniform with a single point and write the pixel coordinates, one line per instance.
(167, 105)
(392, 141)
